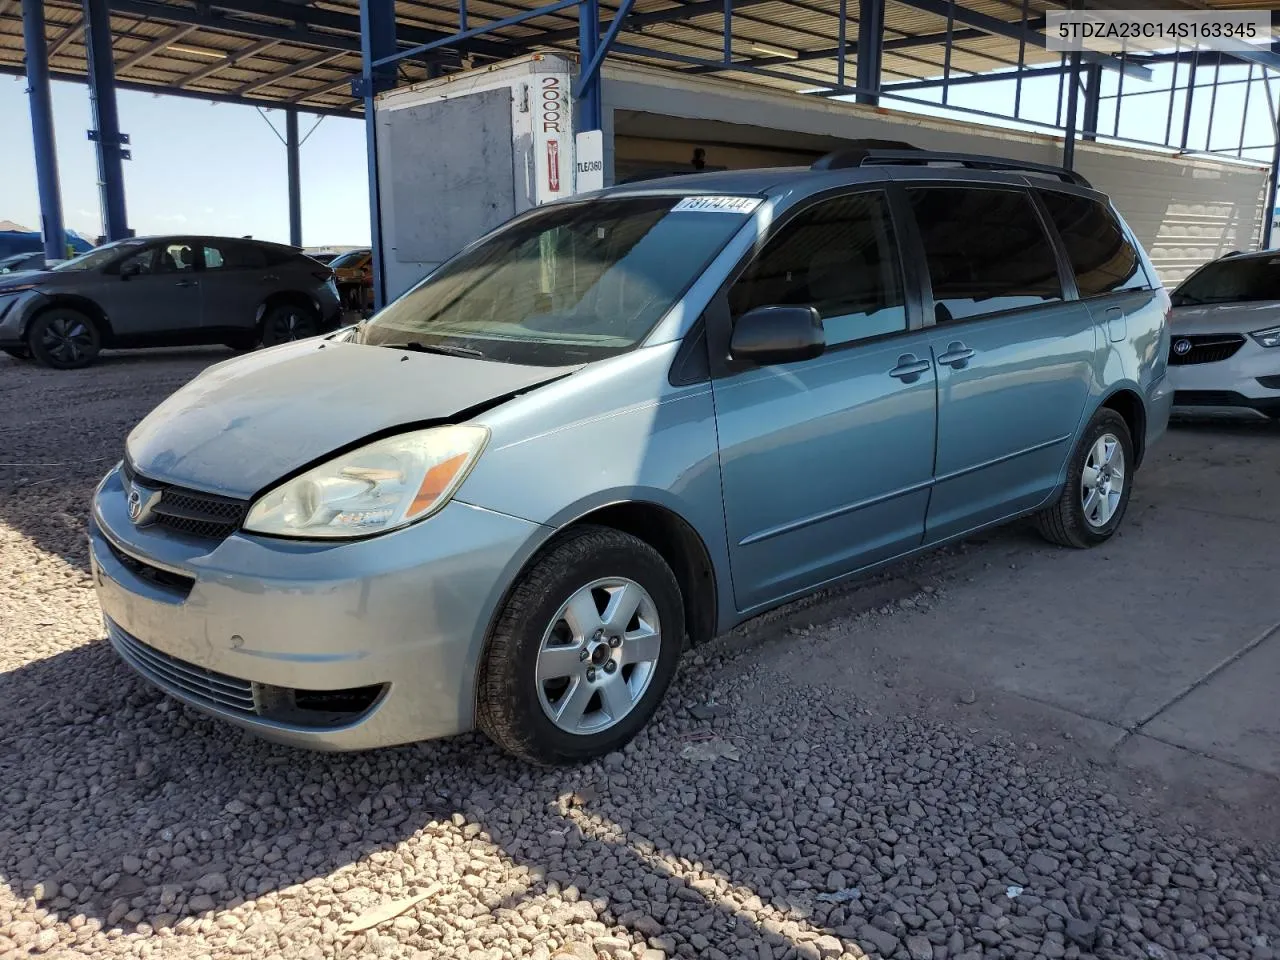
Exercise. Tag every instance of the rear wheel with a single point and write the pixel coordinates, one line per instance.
(1092, 502)
(287, 322)
(64, 339)
(584, 649)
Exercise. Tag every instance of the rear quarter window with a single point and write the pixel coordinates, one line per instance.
(1101, 255)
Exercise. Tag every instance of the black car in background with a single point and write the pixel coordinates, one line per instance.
(164, 291)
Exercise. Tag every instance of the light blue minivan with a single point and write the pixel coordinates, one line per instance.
(618, 426)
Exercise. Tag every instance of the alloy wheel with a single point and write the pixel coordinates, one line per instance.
(1102, 484)
(67, 339)
(598, 656)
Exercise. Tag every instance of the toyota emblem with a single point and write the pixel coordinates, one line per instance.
(1182, 347)
(135, 505)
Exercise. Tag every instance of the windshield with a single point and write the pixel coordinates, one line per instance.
(351, 259)
(99, 256)
(569, 284)
(1232, 281)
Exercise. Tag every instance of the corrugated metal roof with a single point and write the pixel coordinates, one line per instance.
(277, 52)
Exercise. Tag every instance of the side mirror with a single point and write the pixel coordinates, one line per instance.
(778, 335)
(130, 270)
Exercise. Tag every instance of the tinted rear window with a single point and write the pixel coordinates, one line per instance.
(986, 250)
(1101, 255)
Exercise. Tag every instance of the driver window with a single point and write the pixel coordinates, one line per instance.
(839, 256)
(176, 257)
(140, 263)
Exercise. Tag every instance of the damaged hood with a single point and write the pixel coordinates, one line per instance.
(242, 425)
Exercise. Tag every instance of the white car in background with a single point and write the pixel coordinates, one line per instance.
(1224, 349)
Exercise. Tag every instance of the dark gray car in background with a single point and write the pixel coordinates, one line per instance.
(166, 291)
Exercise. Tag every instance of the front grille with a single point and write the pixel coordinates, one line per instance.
(155, 575)
(181, 678)
(193, 513)
(1203, 348)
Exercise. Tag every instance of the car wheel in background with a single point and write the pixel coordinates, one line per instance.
(63, 339)
(288, 322)
(583, 649)
(1099, 478)
(18, 353)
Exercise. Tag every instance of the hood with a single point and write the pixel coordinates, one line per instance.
(1242, 317)
(243, 424)
(24, 278)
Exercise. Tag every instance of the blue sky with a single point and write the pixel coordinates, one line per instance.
(197, 166)
(219, 169)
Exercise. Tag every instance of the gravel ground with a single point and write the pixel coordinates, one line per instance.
(758, 817)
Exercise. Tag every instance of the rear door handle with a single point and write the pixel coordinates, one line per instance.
(271, 277)
(909, 368)
(957, 355)
(188, 283)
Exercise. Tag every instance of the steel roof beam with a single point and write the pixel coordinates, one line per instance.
(349, 23)
(1015, 31)
(154, 47)
(68, 35)
(164, 91)
(244, 53)
(290, 71)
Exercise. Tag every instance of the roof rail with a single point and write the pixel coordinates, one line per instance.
(907, 154)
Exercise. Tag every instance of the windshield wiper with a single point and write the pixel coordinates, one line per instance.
(449, 351)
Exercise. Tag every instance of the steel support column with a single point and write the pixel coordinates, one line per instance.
(106, 121)
(1073, 96)
(1092, 100)
(589, 117)
(1272, 184)
(870, 49)
(377, 40)
(46, 148)
(291, 146)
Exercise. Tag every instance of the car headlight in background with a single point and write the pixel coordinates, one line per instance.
(383, 486)
(1267, 338)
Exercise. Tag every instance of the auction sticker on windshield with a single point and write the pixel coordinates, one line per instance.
(716, 205)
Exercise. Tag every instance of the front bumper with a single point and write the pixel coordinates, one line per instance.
(15, 310)
(228, 626)
(1245, 385)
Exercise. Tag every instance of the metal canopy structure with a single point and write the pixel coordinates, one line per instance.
(331, 57)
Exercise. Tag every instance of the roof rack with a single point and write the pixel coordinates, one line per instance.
(889, 152)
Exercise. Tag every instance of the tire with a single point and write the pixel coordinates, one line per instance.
(286, 322)
(629, 676)
(1066, 522)
(18, 353)
(63, 339)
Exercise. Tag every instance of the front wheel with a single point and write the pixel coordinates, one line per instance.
(63, 339)
(583, 650)
(1093, 500)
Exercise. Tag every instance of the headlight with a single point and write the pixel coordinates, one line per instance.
(379, 487)
(1267, 338)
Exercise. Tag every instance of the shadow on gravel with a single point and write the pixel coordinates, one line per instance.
(819, 832)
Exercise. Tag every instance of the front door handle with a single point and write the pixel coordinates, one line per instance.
(909, 368)
(957, 355)
(188, 283)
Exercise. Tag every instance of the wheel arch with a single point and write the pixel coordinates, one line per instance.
(286, 298)
(1128, 403)
(78, 303)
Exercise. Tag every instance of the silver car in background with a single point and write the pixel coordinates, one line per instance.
(1224, 358)
(165, 291)
(618, 426)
